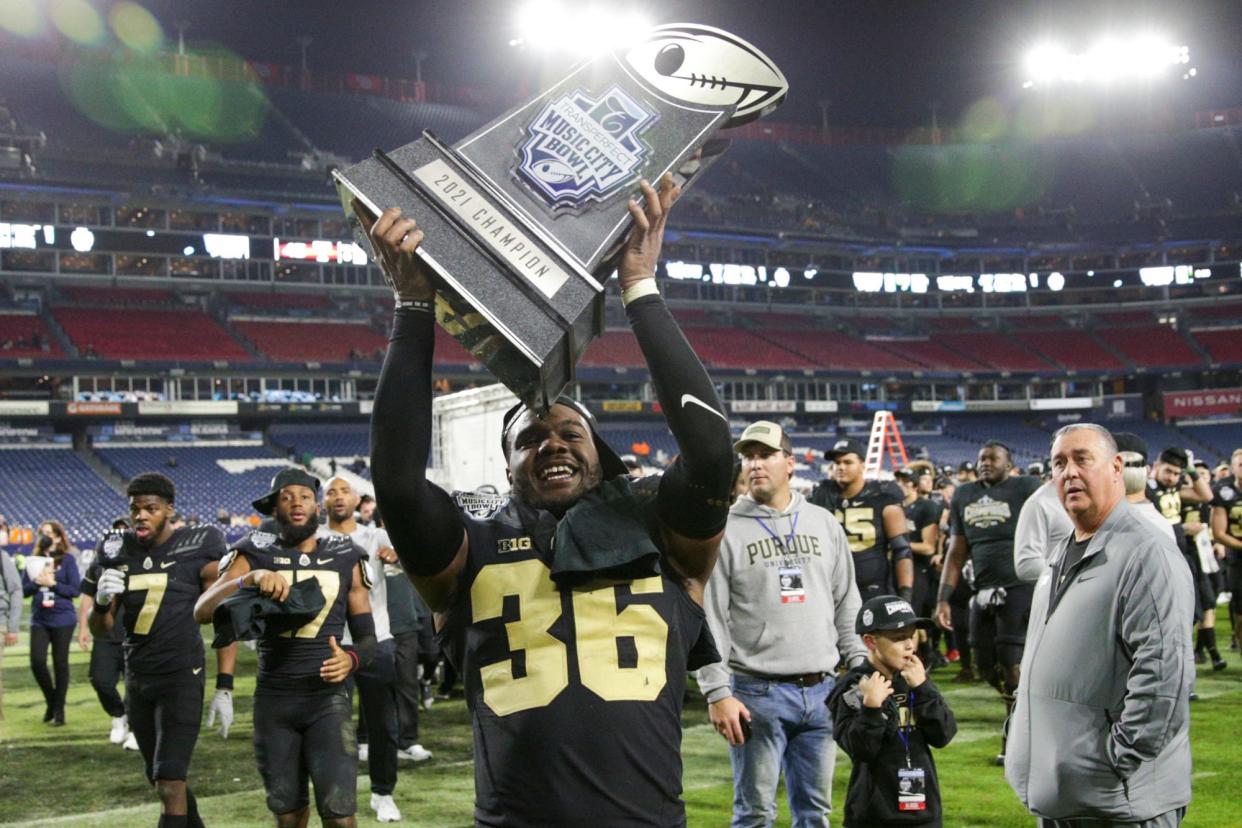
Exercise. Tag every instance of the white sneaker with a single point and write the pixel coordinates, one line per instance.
(131, 742)
(120, 729)
(363, 752)
(417, 753)
(385, 809)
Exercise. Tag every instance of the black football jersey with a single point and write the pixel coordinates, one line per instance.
(162, 584)
(987, 517)
(921, 513)
(291, 661)
(862, 516)
(576, 693)
(1225, 495)
(1168, 500)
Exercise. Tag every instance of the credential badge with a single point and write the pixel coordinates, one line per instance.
(582, 148)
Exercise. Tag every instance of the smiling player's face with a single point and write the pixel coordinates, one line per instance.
(552, 459)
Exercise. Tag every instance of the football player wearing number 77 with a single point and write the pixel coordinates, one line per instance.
(156, 573)
(572, 607)
(302, 727)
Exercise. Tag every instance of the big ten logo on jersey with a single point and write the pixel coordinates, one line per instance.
(619, 639)
(523, 544)
(281, 560)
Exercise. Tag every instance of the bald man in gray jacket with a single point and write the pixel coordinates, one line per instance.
(1100, 734)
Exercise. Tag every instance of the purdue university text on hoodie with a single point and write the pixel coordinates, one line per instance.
(782, 600)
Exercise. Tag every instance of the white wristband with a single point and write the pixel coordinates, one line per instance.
(647, 287)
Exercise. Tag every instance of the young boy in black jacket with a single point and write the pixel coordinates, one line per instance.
(887, 715)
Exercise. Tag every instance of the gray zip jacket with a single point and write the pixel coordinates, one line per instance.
(782, 599)
(10, 594)
(1101, 727)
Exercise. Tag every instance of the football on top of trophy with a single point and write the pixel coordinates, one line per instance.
(701, 65)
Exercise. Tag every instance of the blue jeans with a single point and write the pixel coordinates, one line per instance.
(790, 730)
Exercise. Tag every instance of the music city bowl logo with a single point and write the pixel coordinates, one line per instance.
(582, 148)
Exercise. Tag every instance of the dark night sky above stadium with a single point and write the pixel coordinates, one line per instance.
(878, 62)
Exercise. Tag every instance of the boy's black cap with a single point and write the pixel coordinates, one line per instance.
(887, 612)
(844, 446)
(292, 476)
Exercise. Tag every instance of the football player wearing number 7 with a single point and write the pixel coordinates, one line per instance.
(572, 607)
(157, 573)
(302, 727)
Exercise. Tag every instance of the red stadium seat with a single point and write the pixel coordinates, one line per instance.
(1073, 349)
(150, 334)
(19, 330)
(320, 341)
(1224, 345)
(1153, 346)
(996, 351)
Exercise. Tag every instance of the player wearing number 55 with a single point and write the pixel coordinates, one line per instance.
(157, 573)
(572, 607)
(302, 728)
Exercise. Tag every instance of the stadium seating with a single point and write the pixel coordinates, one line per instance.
(831, 350)
(149, 334)
(279, 301)
(1223, 345)
(319, 341)
(930, 354)
(117, 297)
(1154, 346)
(17, 333)
(57, 484)
(615, 349)
(1219, 440)
(734, 348)
(323, 440)
(1076, 350)
(207, 477)
(996, 351)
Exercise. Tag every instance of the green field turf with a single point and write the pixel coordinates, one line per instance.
(71, 776)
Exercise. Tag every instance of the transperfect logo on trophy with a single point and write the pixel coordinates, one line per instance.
(583, 148)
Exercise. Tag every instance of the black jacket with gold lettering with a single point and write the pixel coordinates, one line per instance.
(162, 585)
(589, 678)
(291, 661)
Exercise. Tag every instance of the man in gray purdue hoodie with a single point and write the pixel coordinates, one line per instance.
(781, 604)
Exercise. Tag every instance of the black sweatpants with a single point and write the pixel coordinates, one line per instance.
(54, 691)
(407, 690)
(107, 668)
(379, 710)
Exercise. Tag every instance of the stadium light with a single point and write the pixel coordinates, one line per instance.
(1139, 57)
(581, 30)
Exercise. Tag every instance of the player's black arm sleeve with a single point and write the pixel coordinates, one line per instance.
(693, 499)
(362, 628)
(422, 520)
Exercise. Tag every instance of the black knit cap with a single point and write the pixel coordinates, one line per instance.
(151, 483)
(292, 476)
(609, 462)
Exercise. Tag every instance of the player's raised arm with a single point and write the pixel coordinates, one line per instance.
(422, 521)
(693, 500)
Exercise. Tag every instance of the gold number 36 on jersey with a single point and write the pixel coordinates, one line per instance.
(598, 625)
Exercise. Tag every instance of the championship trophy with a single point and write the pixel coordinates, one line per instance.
(525, 218)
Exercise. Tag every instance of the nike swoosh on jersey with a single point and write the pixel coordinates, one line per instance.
(197, 670)
(690, 398)
(322, 561)
(166, 564)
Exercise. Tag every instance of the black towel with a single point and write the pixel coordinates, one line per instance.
(604, 535)
(247, 615)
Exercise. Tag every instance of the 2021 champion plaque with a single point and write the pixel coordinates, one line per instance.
(525, 218)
